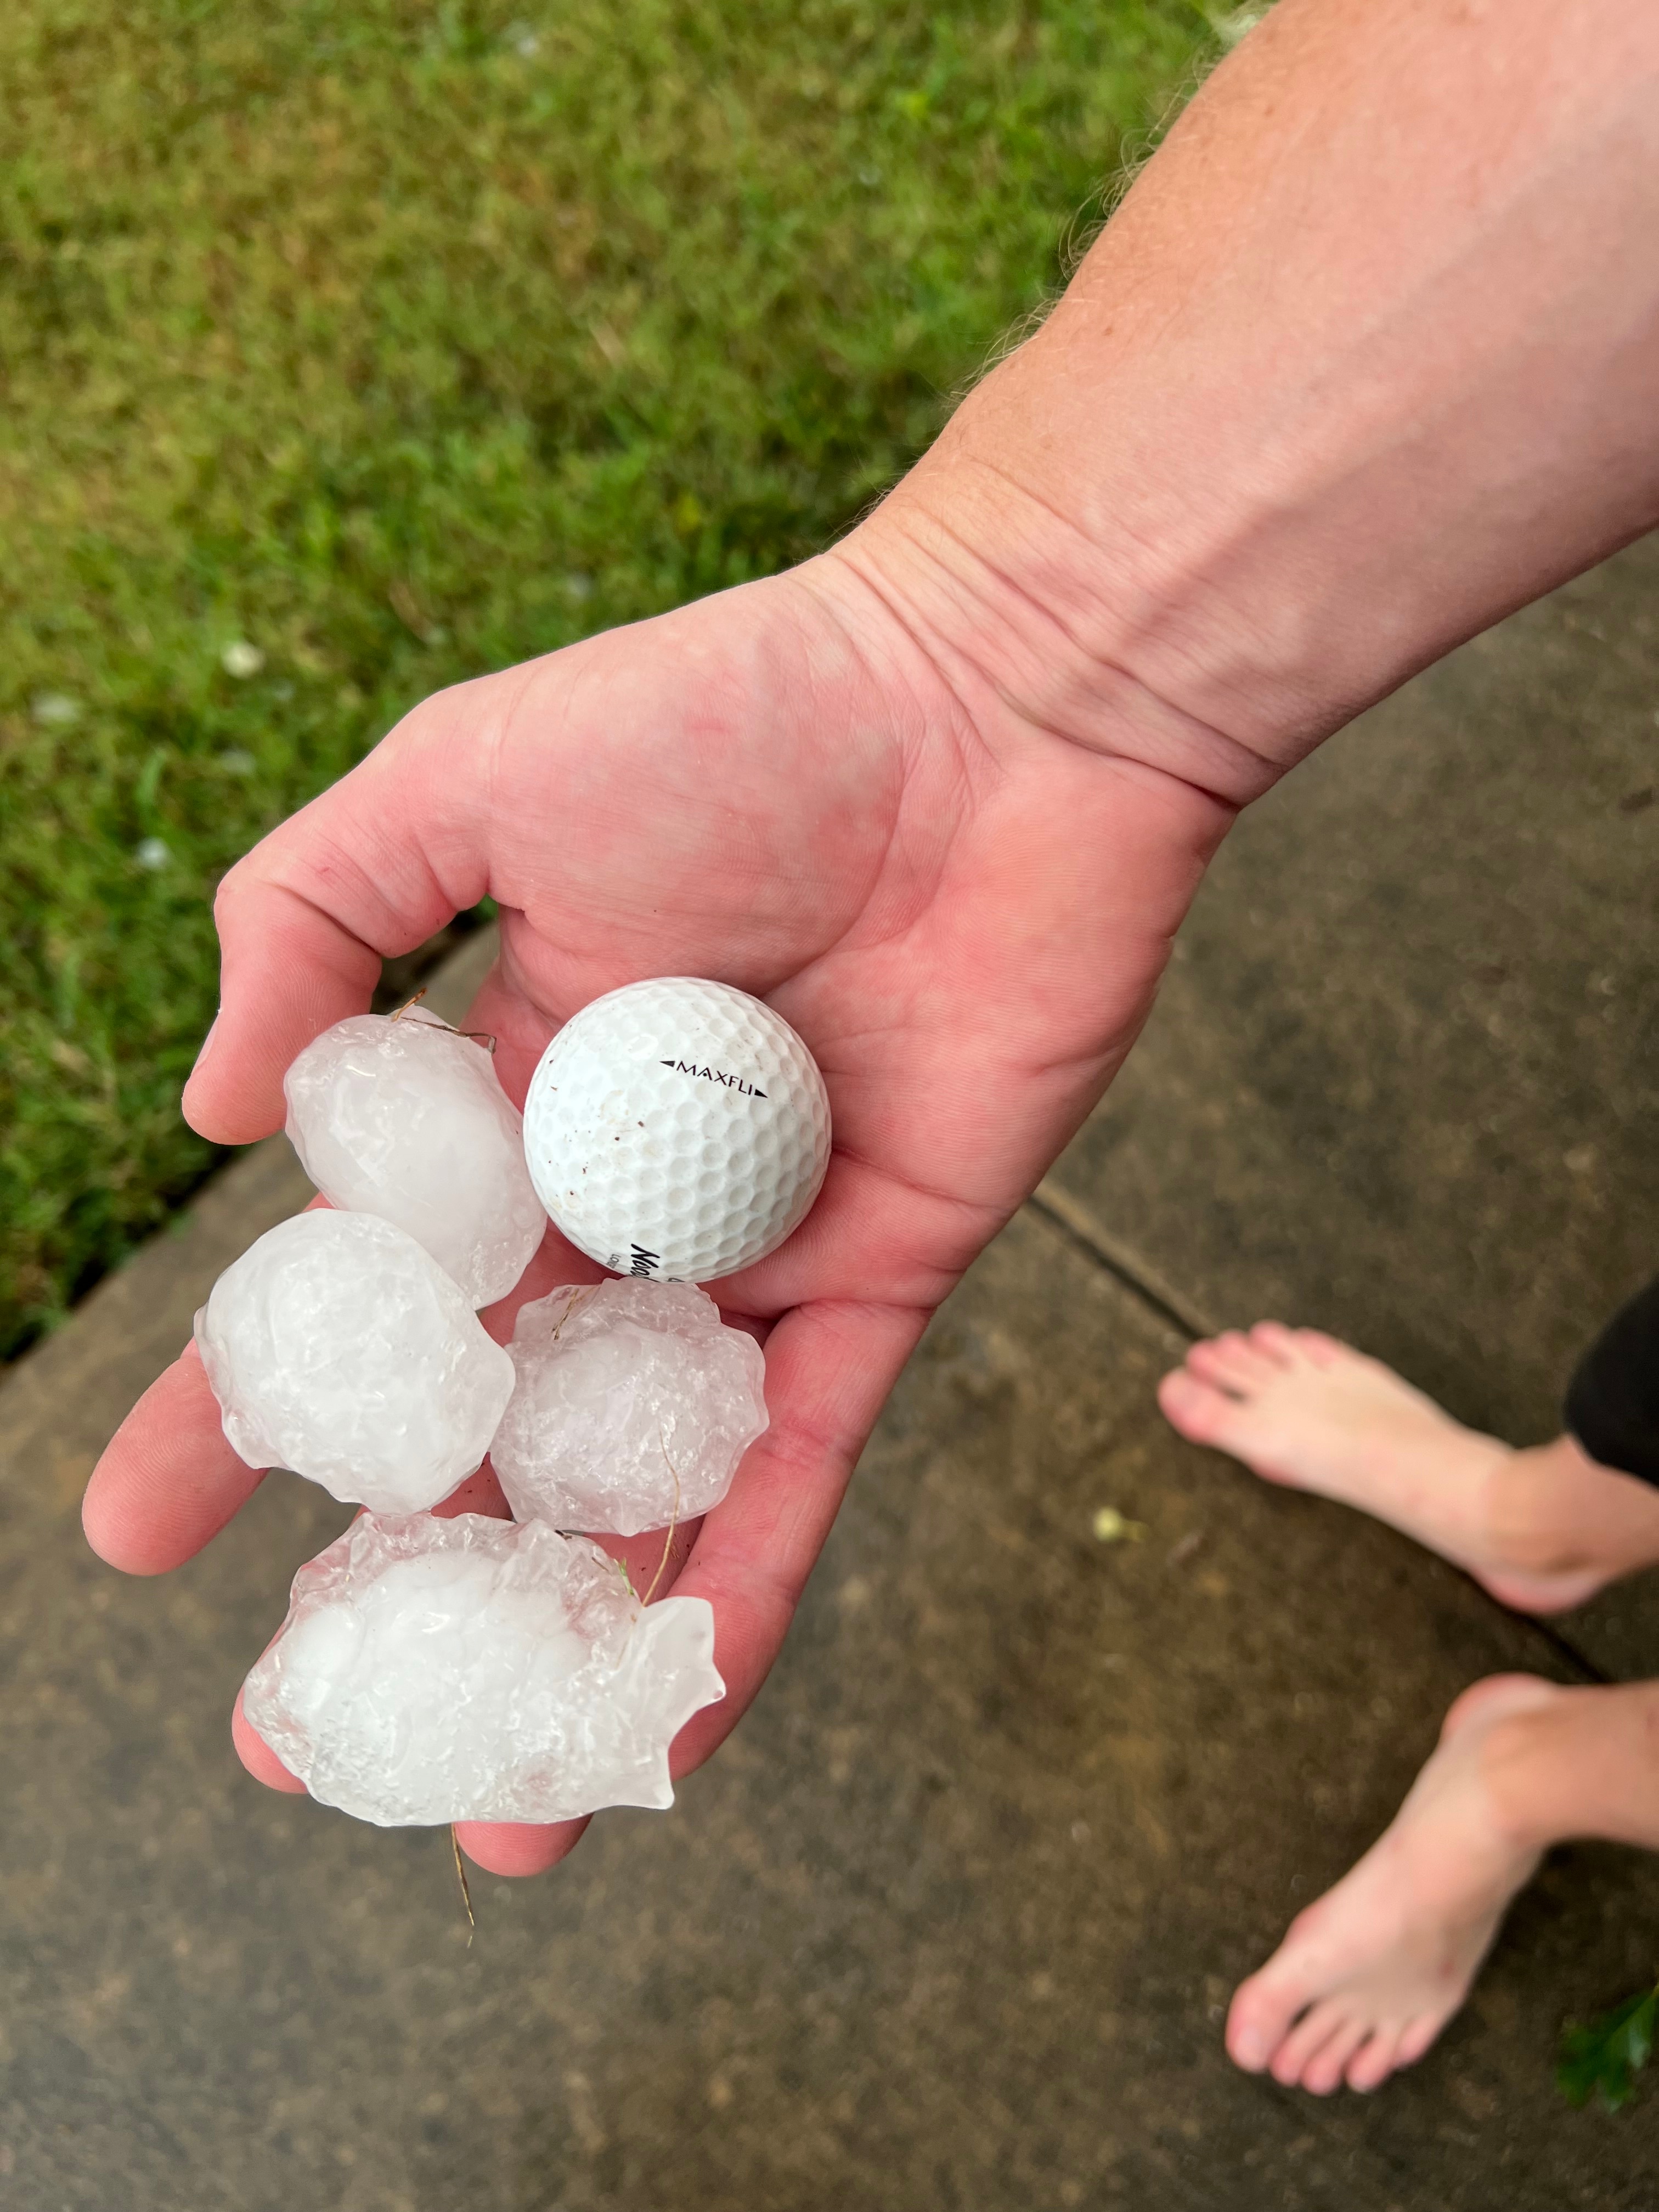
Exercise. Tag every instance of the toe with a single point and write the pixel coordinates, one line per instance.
(1289, 2005)
(1313, 1344)
(1305, 2041)
(1231, 1361)
(1276, 1342)
(1197, 1410)
(1372, 2064)
(1322, 2074)
(1257, 2020)
(1416, 2038)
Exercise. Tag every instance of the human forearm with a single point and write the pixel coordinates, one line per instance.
(1368, 357)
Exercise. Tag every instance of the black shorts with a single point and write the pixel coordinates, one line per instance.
(1612, 1401)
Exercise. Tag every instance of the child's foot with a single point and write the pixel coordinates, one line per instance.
(1543, 1530)
(1369, 1975)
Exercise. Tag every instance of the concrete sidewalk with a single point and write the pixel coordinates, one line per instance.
(952, 1921)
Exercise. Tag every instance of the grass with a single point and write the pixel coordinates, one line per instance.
(348, 347)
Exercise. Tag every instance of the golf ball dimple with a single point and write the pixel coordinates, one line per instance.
(677, 1129)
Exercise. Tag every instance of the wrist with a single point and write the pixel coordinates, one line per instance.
(1022, 610)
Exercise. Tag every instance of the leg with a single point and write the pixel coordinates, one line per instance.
(1367, 1977)
(1543, 1529)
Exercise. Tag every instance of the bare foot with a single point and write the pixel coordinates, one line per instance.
(1543, 1529)
(1369, 1975)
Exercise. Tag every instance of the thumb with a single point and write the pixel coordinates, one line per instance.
(370, 869)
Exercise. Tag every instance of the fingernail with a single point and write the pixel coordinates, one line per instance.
(1248, 2048)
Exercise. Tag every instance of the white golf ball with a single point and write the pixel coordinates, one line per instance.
(677, 1128)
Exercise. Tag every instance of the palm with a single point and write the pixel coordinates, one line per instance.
(965, 916)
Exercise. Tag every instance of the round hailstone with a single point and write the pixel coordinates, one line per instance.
(677, 1128)
(471, 1669)
(402, 1116)
(622, 1388)
(338, 1346)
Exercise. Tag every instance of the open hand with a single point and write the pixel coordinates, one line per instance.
(964, 914)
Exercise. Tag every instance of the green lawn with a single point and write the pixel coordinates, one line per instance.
(348, 347)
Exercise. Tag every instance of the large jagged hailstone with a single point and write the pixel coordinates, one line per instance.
(623, 1387)
(677, 1128)
(338, 1346)
(471, 1669)
(401, 1116)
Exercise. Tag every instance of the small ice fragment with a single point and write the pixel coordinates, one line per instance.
(401, 1117)
(621, 1389)
(152, 854)
(241, 660)
(56, 710)
(338, 1346)
(472, 1669)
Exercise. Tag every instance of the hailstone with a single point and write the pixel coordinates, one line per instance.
(472, 1669)
(633, 1405)
(338, 1346)
(403, 1117)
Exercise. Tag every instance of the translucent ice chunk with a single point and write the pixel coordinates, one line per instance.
(404, 1118)
(471, 1669)
(621, 1389)
(338, 1346)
